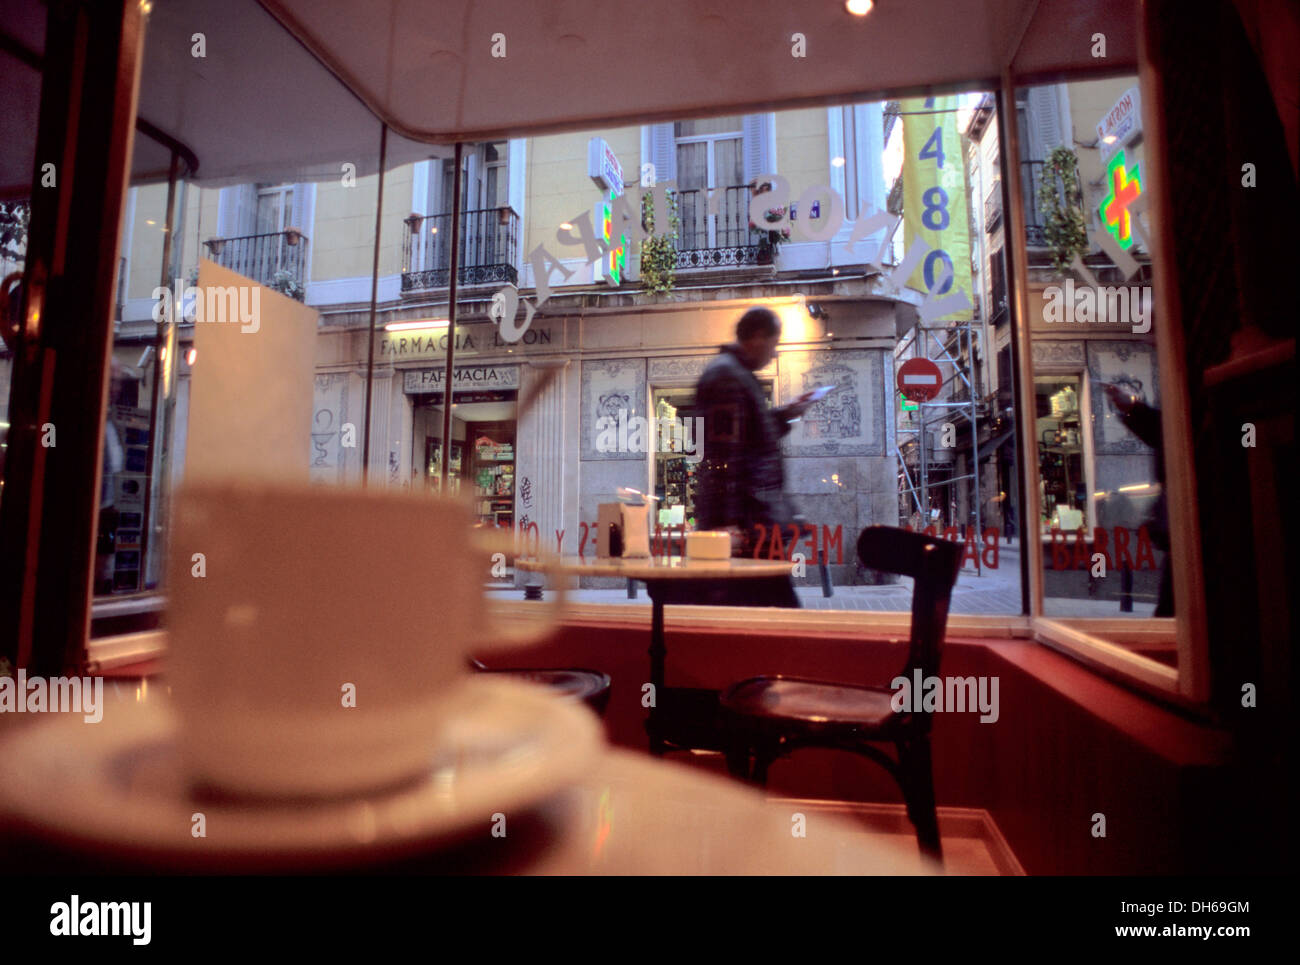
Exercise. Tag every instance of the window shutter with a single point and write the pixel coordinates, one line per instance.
(245, 221)
(298, 212)
(759, 145)
(472, 192)
(1045, 121)
(433, 202)
(663, 151)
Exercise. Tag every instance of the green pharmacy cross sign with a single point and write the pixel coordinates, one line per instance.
(1124, 186)
(615, 259)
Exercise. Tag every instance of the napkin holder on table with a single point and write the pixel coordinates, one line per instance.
(622, 530)
(636, 531)
(708, 545)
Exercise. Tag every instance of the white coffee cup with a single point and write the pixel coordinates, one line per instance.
(317, 634)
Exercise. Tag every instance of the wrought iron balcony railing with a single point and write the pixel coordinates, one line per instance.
(1031, 178)
(488, 240)
(715, 232)
(263, 257)
(993, 208)
(997, 290)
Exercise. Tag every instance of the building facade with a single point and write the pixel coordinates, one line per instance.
(623, 352)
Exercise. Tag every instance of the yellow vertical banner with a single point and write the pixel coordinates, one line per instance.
(934, 199)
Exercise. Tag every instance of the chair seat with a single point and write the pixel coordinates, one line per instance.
(812, 702)
(590, 686)
(578, 684)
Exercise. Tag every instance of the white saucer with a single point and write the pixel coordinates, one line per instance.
(117, 787)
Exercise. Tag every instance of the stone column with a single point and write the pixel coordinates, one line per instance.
(541, 495)
(382, 441)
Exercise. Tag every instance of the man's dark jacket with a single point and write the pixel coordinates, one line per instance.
(742, 479)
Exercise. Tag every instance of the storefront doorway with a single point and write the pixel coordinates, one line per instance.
(674, 466)
(675, 481)
(1065, 472)
(483, 455)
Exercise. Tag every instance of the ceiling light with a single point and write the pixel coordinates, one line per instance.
(566, 226)
(837, 162)
(859, 8)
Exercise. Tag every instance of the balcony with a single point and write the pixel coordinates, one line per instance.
(1030, 178)
(721, 237)
(997, 290)
(993, 208)
(277, 260)
(488, 241)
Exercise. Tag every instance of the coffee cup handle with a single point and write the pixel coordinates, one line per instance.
(542, 621)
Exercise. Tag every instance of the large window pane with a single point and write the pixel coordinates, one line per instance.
(862, 455)
(1102, 521)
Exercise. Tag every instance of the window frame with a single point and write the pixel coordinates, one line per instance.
(1187, 683)
(284, 195)
(711, 169)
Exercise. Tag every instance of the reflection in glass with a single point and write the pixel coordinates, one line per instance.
(1097, 408)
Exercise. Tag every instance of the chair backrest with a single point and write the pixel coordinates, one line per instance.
(933, 563)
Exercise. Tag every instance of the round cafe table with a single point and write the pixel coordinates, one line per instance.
(680, 718)
(629, 815)
(623, 813)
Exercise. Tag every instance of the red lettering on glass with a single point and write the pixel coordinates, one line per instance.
(837, 541)
(1060, 560)
(776, 549)
(991, 548)
(810, 529)
(1121, 548)
(1099, 539)
(971, 552)
(1080, 549)
(1144, 551)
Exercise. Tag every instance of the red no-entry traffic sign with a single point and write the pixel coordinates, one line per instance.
(919, 380)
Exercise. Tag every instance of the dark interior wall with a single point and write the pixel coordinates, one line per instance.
(1234, 247)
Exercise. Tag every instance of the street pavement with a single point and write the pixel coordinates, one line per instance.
(992, 591)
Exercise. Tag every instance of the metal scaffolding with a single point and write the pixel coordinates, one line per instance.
(951, 347)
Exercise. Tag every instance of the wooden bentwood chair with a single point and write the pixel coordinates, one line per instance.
(769, 717)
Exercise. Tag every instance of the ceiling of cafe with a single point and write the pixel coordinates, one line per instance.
(297, 99)
(433, 70)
